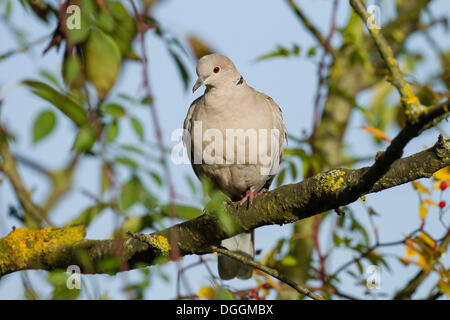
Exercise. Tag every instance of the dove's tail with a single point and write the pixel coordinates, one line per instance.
(243, 244)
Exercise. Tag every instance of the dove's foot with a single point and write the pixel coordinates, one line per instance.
(250, 196)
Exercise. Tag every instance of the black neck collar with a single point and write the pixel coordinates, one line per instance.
(240, 81)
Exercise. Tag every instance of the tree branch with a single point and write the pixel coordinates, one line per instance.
(274, 273)
(286, 204)
(308, 25)
(34, 215)
(407, 97)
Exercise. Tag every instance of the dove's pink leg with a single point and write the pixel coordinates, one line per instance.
(250, 196)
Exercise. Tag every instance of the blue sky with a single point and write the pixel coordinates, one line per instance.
(242, 30)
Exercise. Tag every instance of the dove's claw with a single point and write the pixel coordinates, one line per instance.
(250, 196)
(261, 191)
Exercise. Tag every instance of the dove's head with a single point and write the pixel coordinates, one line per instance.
(216, 71)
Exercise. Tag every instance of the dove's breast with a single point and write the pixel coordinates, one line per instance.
(232, 142)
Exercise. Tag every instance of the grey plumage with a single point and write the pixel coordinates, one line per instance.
(230, 104)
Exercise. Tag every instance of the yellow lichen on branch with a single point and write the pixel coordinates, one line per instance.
(158, 242)
(332, 180)
(24, 247)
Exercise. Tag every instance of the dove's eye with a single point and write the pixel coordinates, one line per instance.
(216, 69)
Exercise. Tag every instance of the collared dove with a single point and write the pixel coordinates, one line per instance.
(230, 111)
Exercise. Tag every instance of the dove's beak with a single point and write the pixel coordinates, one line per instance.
(199, 83)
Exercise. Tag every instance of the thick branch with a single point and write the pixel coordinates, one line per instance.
(287, 204)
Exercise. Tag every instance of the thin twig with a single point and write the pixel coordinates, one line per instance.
(274, 273)
(371, 249)
(326, 50)
(387, 55)
(24, 48)
(155, 119)
(308, 25)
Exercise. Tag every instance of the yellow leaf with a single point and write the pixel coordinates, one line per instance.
(444, 286)
(420, 188)
(443, 174)
(377, 133)
(423, 263)
(207, 293)
(410, 248)
(423, 211)
(427, 239)
(429, 201)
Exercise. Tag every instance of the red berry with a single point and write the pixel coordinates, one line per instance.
(443, 186)
(254, 293)
(260, 298)
(266, 286)
(442, 204)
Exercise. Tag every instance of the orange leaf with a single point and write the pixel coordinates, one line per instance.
(377, 133)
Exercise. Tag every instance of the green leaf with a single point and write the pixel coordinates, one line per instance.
(224, 294)
(85, 139)
(156, 178)
(103, 60)
(181, 68)
(88, 215)
(79, 35)
(105, 179)
(280, 177)
(182, 211)
(51, 78)
(137, 126)
(60, 290)
(109, 265)
(43, 125)
(64, 103)
(289, 261)
(280, 51)
(71, 69)
(311, 51)
(293, 170)
(112, 130)
(127, 162)
(105, 21)
(126, 32)
(133, 192)
(114, 110)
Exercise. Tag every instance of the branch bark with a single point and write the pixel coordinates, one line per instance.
(286, 204)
